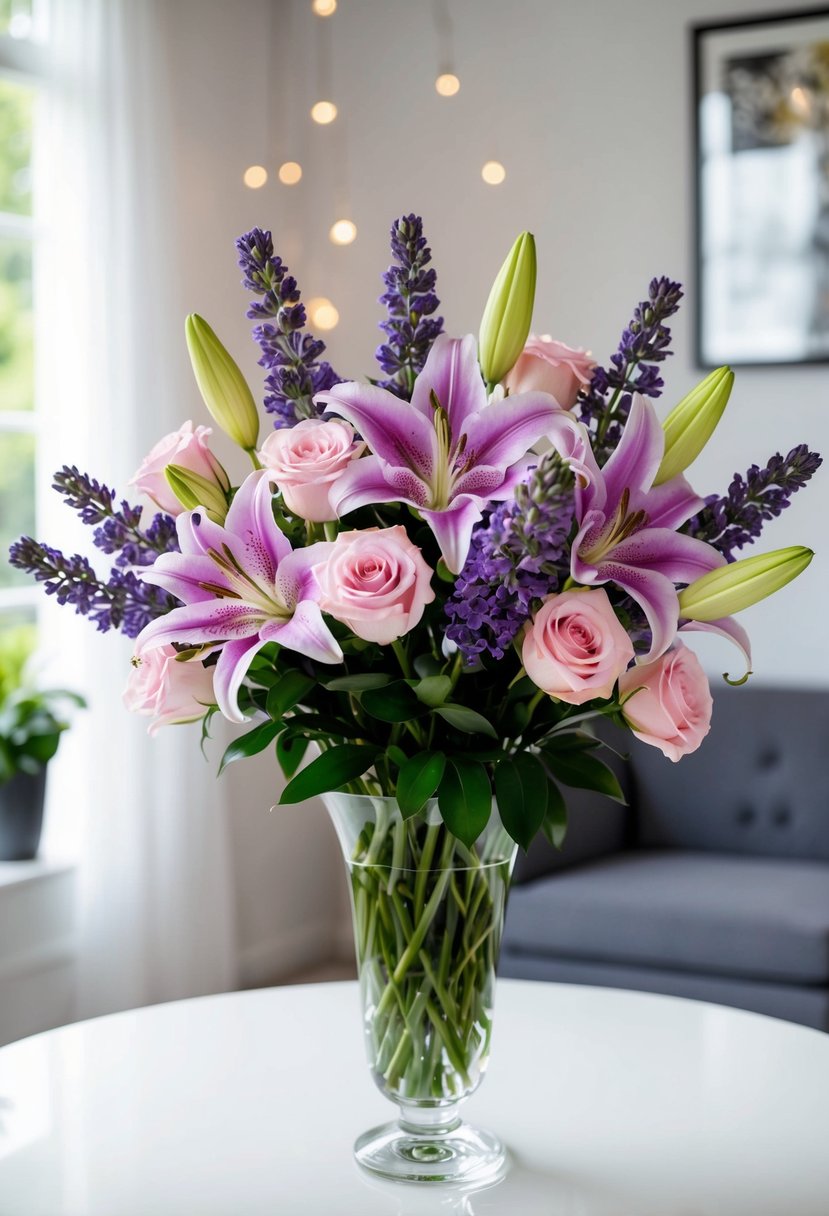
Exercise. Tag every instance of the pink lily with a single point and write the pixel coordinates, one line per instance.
(242, 586)
(627, 526)
(447, 453)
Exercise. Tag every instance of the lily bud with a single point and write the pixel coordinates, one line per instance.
(221, 384)
(192, 490)
(729, 589)
(509, 311)
(691, 424)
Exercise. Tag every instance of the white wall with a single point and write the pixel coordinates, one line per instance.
(588, 106)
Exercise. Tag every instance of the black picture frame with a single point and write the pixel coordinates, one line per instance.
(763, 49)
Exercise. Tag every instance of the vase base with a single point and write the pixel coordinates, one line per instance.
(463, 1154)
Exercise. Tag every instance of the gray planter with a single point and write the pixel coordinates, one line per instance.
(21, 815)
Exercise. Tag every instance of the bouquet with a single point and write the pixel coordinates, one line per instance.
(437, 577)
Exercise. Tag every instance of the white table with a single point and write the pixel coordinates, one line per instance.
(613, 1104)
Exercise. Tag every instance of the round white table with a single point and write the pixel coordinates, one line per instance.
(612, 1103)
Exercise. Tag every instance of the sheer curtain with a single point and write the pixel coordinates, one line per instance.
(146, 819)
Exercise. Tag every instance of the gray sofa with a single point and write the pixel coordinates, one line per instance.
(713, 883)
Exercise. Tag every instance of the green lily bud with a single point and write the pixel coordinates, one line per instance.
(691, 424)
(221, 384)
(192, 490)
(738, 585)
(509, 311)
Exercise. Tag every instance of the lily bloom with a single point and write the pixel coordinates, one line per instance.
(627, 526)
(241, 586)
(447, 453)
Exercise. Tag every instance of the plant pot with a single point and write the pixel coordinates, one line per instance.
(428, 917)
(21, 815)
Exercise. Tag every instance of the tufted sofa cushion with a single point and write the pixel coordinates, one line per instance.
(756, 786)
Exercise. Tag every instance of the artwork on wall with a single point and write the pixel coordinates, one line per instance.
(762, 178)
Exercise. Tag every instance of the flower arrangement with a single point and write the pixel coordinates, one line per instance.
(402, 580)
(437, 578)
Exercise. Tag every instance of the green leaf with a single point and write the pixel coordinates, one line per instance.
(433, 690)
(283, 696)
(467, 720)
(325, 725)
(465, 799)
(41, 747)
(418, 780)
(290, 751)
(571, 740)
(427, 665)
(521, 785)
(329, 771)
(251, 744)
(554, 826)
(396, 755)
(394, 703)
(358, 683)
(585, 772)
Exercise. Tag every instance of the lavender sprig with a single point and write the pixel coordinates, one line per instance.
(737, 518)
(410, 300)
(644, 344)
(120, 532)
(295, 373)
(124, 602)
(516, 558)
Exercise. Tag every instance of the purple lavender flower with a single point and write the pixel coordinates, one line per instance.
(122, 603)
(737, 518)
(120, 531)
(410, 300)
(295, 373)
(644, 344)
(518, 556)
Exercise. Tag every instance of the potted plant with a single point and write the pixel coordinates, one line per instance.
(30, 728)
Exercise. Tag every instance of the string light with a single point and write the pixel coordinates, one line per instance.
(290, 173)
(447, 84)
(322, 314)
(342, 232)
(493, 173)
(323, 112)
(324, 8)
(255, 176)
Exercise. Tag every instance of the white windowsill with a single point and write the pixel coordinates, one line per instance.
(14, 872)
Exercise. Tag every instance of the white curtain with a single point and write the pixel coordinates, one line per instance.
(145, 818)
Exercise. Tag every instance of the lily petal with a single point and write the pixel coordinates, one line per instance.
(296, 579)
(231, 669)
(656, 596)
(725, 627)
(680, 558)
(394, 430)
(251, 519)
(368, 481)
(672, 504)
(451, 372)
(453, 529)
(185, 577)
(306, 633)
(216, 622)
(506, 430)
(635, 461)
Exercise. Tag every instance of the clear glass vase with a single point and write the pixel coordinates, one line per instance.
(428, 916)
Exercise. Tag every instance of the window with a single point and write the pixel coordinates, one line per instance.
(18, 417)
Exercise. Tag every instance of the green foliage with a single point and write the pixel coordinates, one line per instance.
(465, 799)
(419, 778)
(521, 786)
(329, 771)
(30, 721)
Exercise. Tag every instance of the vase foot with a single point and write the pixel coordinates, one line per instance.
(462, 1154)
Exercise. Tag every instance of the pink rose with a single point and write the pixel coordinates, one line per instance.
(547, 366)
(169, 691)
(672, 709)
(376, 582)
(575, 649)
(187, 447)
(306, 460)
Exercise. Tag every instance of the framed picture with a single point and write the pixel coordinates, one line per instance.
(762, 189)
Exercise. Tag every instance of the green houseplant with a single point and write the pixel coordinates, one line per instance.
(31, 724)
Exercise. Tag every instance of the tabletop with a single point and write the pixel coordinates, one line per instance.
(611, 1103)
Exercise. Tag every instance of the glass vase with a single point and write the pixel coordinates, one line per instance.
(428, 916)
